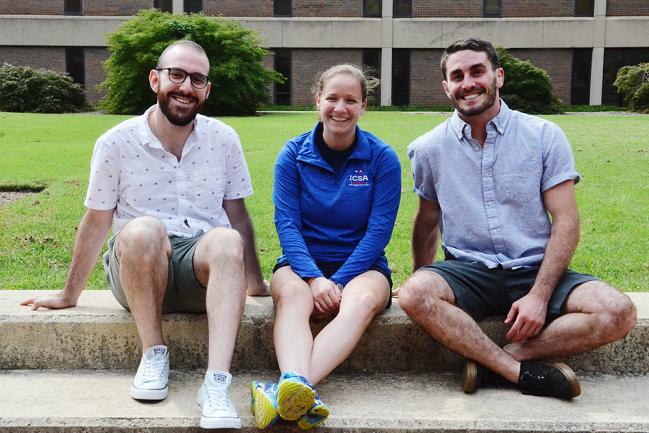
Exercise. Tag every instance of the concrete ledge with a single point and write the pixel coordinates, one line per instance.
(90, 402)
(99, 334)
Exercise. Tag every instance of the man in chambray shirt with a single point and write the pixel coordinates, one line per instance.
(172, 184)
(498, 185)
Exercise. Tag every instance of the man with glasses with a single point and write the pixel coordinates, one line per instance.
(172, 183)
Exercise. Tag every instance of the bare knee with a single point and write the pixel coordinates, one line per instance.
(221, 245)
(614, 314)
(422, 289)
(621, 316)
(363, 306)
(291, 294)
(143, 240)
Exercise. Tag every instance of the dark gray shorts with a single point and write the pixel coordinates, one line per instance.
(483, 292)
(329, 268)
(184, 294)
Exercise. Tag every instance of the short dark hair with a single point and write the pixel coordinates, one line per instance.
(185, 43)
(473, 44)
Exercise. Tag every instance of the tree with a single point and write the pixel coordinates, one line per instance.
(632, 83)
(239, 80)
(527, 88)
(28, 90)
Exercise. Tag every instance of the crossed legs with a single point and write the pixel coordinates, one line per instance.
(595, 314)
(362, 299)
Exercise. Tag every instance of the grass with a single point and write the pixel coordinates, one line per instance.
(37, 232)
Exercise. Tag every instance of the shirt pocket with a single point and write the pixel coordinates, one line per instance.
(520, 186)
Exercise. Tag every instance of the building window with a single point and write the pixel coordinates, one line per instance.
(74, 64)
(282, 8)
(580, 81)
(402, 9)
(372, 68)
(491, 8)
(193, 6)
(584, 8)
(163, 5)
(72, 7)
(614, 59)
(282, 64)
(372, 8)
(400, 77)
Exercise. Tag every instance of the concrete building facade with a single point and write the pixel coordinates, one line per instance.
(580, 43)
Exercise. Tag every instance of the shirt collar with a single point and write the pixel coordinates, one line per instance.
(309, 151)
(145, 135)
(499, 122)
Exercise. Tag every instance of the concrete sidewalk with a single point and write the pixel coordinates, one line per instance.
(100, 334)
(82, 401)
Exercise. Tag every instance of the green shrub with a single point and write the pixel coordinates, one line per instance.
(240, 83)
(28, 90)
(632, 83)
(527, 88)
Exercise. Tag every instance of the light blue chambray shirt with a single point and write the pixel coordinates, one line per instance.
(490, 196)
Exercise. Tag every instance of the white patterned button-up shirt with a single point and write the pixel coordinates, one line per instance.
(132, 173)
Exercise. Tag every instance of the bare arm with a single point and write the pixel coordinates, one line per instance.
(241, 222)
(425, 233)
(530, 310)
(91, 235)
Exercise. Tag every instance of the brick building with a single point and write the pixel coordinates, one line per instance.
(580, 43)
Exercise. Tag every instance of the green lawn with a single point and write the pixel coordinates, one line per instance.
(36, 233)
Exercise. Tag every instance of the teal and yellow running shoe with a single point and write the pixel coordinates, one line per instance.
(314, 416)
(263, 404)
(295, 396)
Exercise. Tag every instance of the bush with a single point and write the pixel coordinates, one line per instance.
(527, 88)
(240, 83)
(28, 90)
(632, 83)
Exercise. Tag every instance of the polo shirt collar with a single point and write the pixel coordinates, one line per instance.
(499, 122)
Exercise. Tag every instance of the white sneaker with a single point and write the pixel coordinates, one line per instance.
(152, 377)
(217, 409)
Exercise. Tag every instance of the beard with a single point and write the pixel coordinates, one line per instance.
(179, 116)
(490, 100)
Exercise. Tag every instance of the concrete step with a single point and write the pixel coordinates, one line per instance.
(99, 334)
(98, 401)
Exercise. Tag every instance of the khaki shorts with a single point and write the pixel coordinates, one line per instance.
(184, 294)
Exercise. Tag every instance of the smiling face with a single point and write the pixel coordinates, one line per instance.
(340, 104)
(472, 84)
(180, 102)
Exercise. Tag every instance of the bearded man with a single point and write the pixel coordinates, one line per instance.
(172, 183)
(488, 179)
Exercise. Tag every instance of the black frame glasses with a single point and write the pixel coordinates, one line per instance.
(178, 76)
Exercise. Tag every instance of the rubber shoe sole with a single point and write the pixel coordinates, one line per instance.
(209, 423)
(149, 394)
(262, 408)
(571, 377)
(294, 399)
(314, 417)
(470, 377)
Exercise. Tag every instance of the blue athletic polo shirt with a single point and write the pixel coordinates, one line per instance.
(326, 216)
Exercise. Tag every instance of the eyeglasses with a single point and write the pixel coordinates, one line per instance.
(178, 76)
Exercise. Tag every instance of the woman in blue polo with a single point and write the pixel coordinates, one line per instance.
(336, 196)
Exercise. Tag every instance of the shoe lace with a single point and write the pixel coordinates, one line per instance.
(154, 369)
(217, 396)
